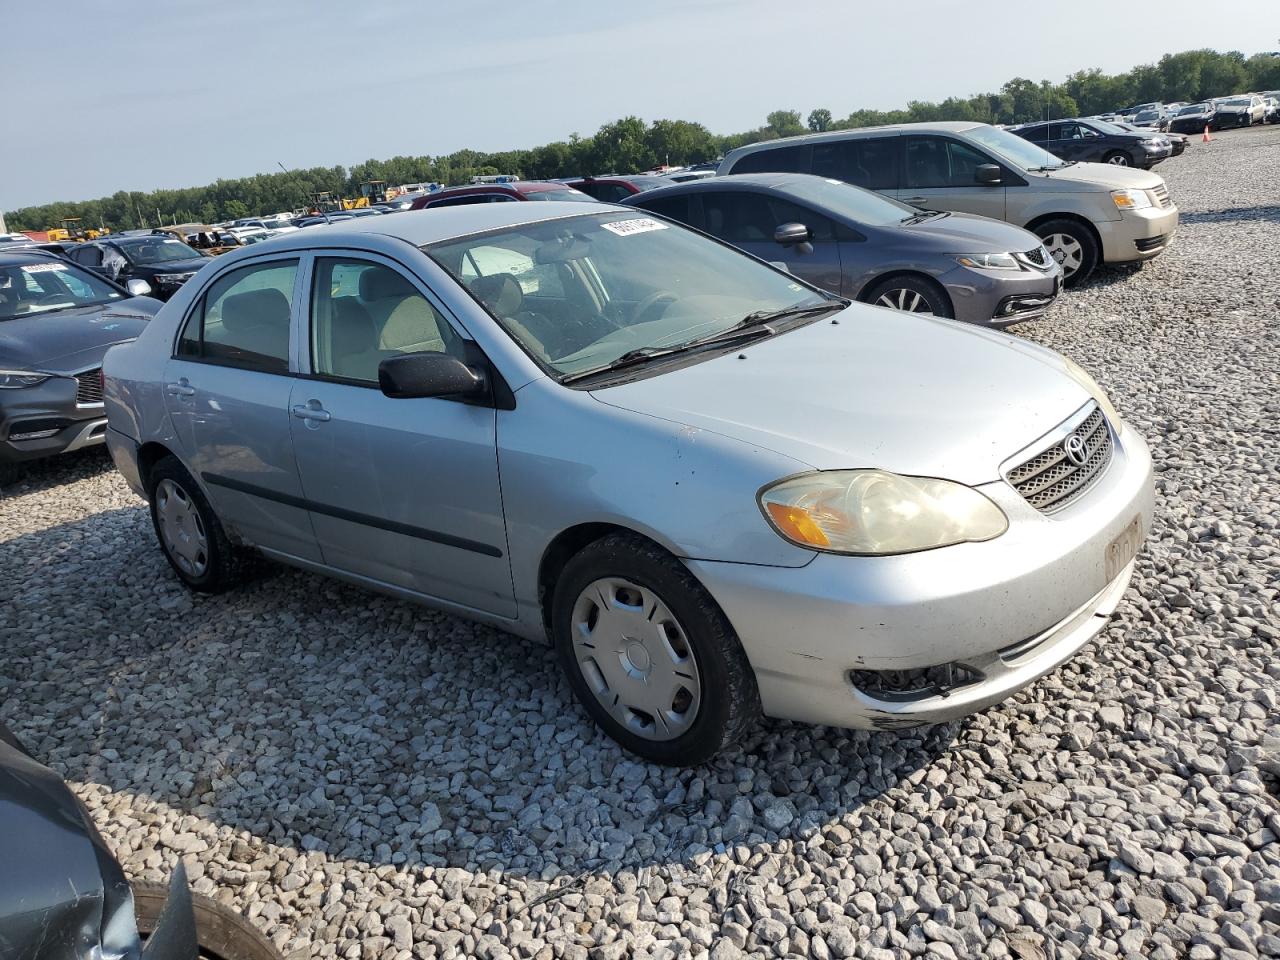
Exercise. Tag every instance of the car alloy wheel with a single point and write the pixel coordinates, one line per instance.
(636, 658)
(1118, 160)
(181, 529)
(909, 301)
(1067, 250)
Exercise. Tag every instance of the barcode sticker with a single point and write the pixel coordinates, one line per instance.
(625, 228)
(43, 267)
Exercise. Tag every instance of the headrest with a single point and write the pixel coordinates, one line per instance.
(500, 292)
(255, 308)
(378, 284)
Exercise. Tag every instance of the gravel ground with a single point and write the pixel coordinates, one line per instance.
(370, 780)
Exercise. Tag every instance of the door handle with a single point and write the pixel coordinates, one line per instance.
(916, 201)
(180, 389)
(305, 412)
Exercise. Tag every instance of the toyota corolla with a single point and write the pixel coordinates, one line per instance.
(718, 491)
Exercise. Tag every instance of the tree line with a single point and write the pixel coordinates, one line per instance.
(630, 144)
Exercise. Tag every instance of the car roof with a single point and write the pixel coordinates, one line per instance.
(21, 255)
(938, 126)
(420, 227)
(752, 181)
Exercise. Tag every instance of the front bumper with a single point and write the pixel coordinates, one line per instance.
(1012, 608)
(998, 298)
(44, 420)
(1138, 235)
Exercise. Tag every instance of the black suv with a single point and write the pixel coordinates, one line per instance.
(1096, 141)
(164, 262)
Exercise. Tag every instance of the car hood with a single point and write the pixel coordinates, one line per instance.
(966, 233)
(68, 341)
(62, 894)
(173, 266)
(1107, 175)
(884, 389)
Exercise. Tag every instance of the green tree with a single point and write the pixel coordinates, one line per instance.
(679, 142)
(784, 123)
(820, 120)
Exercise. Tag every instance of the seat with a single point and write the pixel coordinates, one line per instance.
(405, 322)
(256, 324)
(353, 342)
(501, 294)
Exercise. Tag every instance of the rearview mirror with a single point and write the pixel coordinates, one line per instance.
(429, 375)
(138, 287)
(987, 174)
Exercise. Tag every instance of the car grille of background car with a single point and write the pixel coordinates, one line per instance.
(1050, 480)
(89, 387)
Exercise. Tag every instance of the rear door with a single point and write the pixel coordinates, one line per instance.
(227, 391)
(404, 492)
(873, 163)
(748, 220)
(939, 173)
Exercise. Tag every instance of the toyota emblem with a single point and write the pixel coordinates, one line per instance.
(1075, 449)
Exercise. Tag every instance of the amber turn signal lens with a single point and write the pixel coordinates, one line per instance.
(795, 522)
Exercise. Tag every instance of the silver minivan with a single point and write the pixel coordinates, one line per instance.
(1086, 213)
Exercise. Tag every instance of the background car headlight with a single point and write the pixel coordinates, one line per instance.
(1130, 199)
(988, 261)
(872, 512)
(12, 379)
(1082, 377)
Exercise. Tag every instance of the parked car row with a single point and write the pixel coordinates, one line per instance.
(582, 424)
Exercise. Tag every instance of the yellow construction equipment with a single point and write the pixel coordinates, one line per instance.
(69, 230)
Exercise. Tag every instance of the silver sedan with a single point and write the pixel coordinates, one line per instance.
(717, 490)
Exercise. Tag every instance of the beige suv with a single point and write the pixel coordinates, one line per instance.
(1086, 213)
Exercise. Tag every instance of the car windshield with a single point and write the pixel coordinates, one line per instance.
(579, 293)
(1020, 153)
(1194, 108)
(568, 193)
(1147, 115)
(1237, 102)
(157, 250)
(844, 199)
(28, 288)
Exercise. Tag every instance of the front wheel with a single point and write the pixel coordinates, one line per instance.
(649, 653)
(1118, 159)
(1073, 245)
(222, 933)
(911, 295)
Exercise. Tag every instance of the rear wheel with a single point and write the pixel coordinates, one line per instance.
(649, 654)
(222, 932)
(1073, 245)
(911, 294)
(190, 535)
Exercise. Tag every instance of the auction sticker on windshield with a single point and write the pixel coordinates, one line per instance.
(625, 228)
(42, 267)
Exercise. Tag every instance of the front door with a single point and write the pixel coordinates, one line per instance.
(404, 492)
(748, 220)
(227, 392)
(940, 174)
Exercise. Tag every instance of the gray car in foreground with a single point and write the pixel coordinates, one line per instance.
(862, 245)
(718, 490)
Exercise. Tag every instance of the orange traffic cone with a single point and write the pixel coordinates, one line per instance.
(1206, 138)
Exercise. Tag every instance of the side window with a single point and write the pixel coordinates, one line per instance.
(777, 160)
(737, 217)
(866, 162)
(784, 211)
(677, 208)
(89, 256)
(463, 200)
(613, 193)
(1039, 133)
(242, 320)
(936, 162)
(362, 313)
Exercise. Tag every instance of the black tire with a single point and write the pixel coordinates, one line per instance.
(1119, 158)
(222, 932)
(939, 304)
(1090, 252)
(730, 700)
(9, 473)
(226, 565)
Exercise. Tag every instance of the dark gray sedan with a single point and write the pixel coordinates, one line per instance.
(863, 245)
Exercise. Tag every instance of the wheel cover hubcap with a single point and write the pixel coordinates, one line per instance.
(1119, 161)
(181, 529)
(636, 658)
(1067, 250)
(906, 300)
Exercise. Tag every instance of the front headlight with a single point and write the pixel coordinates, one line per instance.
(13, 379)
(872, 512)
(1081, 376)
(988, 261)
(1130, 199)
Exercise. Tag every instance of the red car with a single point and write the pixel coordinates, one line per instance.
(615, 189)
(497, 193)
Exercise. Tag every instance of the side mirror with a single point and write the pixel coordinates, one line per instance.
(987, 174)
(429, 375)
(138, 287)
(790, 234)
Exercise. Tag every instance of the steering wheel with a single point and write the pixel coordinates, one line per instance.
(665, 297)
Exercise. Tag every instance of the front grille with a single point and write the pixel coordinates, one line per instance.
(1147, 244)
(1162, 195)
(1038, 256)
(89, 387)
(173, 279)
(1050, 480)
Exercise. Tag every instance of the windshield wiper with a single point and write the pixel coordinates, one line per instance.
(921, 216)
(754, 326)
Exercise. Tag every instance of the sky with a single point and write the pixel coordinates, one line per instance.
(142, 94)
